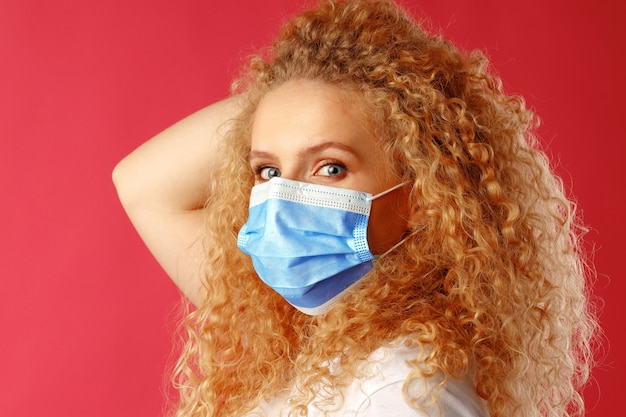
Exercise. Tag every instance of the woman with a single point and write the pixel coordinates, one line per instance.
(367, 228)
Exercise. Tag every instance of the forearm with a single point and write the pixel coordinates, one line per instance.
(163, 185)
(171, 170)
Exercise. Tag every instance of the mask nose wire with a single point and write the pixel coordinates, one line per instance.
(395, 187)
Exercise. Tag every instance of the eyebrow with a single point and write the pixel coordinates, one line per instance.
(308, 150)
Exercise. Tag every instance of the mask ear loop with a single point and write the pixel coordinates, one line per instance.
(395, 187)
(404, 239)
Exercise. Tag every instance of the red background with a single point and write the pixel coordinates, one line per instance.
(86, 315)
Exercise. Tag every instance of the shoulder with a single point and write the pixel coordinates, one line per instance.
(381, 392)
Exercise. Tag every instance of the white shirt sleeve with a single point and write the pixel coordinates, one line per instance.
(378, 392)
(387, 401)
(456, 400)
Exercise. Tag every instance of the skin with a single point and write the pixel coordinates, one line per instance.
(162, 186)
(317, 133)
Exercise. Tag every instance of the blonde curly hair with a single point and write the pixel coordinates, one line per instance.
(495, 277)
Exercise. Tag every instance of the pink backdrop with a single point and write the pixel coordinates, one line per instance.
(85, 313)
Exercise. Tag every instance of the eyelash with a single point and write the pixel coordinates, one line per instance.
(332, 162)
(258, 170)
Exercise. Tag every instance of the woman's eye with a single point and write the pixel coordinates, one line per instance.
(266, 173)
(331, 170)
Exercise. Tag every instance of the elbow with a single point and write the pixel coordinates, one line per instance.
(117, 176)
(122, 182)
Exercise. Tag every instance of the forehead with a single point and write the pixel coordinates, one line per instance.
(304, 108)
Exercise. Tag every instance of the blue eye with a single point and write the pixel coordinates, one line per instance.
(266, 173)
(332, 170)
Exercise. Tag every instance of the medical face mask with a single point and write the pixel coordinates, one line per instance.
(308, 241)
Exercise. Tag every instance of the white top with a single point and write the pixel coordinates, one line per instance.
(379, 393)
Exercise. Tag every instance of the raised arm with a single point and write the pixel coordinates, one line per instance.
(163, 185)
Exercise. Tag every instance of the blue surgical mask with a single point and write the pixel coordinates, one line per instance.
(308, 241)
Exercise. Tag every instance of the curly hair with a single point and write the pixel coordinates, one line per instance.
(495, 277)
